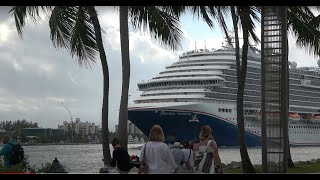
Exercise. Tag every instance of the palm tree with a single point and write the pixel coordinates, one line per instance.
(77, 29)
(304, 25)
(105, 70)
(162, 24)
(124, 41)
(218, 13)
(243, 149)
(247, 28)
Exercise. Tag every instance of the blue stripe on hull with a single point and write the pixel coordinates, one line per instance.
(176, 126)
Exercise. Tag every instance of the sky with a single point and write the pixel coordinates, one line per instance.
(35, 77)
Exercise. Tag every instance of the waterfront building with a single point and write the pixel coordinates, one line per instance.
(84, 128)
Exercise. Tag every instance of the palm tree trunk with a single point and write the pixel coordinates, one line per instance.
(123, 113)
(247, 166)
(105, 70)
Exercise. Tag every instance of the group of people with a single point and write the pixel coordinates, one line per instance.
(202, 157)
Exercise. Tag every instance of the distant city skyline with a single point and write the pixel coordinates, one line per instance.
(35, 77)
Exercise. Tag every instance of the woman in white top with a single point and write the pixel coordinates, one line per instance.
(207, 144)
(157, 154)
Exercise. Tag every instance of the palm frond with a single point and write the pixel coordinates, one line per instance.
(202, 11)
(254, 11)
(83, 43)
(250, 21)
(71, 28)
(161, 25)
(60, 26)
(20, 14)
(219, 13)
(175, 11)
(305, 28)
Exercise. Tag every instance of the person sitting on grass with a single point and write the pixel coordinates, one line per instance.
(120, 157)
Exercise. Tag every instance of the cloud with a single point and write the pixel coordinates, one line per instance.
(4, 33)
(35, 77)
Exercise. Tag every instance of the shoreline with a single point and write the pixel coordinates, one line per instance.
(48, 144)
(53, 144)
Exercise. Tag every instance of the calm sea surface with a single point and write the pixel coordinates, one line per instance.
(87, 158)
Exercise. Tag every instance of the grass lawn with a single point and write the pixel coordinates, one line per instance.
(300, 168)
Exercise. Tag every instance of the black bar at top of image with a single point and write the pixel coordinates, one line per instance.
(159, 2)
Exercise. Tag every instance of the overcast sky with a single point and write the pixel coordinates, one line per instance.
(35, 77)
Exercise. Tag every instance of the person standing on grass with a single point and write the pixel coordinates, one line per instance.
(6, 150)
(157, 154)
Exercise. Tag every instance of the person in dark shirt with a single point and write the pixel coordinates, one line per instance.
(120, 157)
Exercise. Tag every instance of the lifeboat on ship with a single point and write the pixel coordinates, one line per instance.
(316, 118)
(270, 115)
(308, 117)
(294, 117)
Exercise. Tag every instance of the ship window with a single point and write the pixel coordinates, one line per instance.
(222, 110)
(219, 109)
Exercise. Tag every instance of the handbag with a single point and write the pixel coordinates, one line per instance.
(206, 161)
(143, 169)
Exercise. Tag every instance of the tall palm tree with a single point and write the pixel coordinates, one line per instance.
(243, 16)
(304, 25)
(163, 24)
(77, 29)
(105, 70)
(218, 14)
(124, 41)
(209, 14)
(243, 149)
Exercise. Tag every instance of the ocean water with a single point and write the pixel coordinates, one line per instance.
(88, 158)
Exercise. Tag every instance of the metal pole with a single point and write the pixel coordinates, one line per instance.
(263, 122)
(70, 119)
(274, 87)
(284, 88)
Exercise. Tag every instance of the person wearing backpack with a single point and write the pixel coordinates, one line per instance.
(206, 155)
(10, 157)
(188, 163)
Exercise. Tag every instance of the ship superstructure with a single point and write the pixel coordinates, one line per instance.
(201, 88)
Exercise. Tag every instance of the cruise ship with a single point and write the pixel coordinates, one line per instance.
(201, 88)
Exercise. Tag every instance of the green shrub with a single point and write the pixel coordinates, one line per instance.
(23, 166)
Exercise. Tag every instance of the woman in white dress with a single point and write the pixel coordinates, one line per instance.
(206, 147)
(157, 154)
